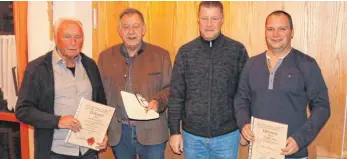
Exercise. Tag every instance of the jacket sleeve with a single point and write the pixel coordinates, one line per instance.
(242, 102)
(27, 105)
(241, 63)
(177, 94)
(101, 98)
(163, 95)
(317, 94)
(105, 82)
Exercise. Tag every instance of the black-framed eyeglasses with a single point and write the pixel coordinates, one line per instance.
(143, 102)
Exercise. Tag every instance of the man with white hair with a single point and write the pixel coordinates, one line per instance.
(51, 90)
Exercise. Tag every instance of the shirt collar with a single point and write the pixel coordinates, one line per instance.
(124, 51)
(268, 57)
(58, 60)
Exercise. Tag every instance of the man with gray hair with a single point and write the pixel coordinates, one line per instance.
(51, 90)
(141, 68)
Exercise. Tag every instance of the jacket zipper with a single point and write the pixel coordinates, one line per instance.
(210, 90)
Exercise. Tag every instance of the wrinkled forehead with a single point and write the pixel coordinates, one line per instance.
(70, 25)
(131, 18)
(210, 10)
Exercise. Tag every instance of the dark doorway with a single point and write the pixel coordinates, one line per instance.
(6, 18)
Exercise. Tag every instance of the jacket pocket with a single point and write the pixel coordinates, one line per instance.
(154, 73)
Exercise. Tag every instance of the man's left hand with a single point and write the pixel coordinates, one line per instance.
(103, 145)
(292, 147)
(153, 105)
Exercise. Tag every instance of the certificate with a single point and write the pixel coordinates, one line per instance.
(95, 119)
(135, 107)
(270, 138)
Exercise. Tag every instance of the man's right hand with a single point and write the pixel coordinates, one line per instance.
(243, 141)
(69, 122)
(176, 143)
(247, 133)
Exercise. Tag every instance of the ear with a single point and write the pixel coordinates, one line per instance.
(119, 30)
(55, 38)
(144, 29)
(292, 33)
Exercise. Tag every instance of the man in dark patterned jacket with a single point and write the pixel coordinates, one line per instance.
(204, 81)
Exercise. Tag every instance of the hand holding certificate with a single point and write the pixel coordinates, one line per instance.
(135, 106)
(270, 138)
(95, 119)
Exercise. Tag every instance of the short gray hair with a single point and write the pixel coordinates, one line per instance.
(131, 11)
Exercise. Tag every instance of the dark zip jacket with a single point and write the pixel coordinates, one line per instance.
(204, 81)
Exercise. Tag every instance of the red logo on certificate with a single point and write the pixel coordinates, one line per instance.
(90, 141)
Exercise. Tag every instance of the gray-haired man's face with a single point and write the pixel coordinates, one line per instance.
(131, 30)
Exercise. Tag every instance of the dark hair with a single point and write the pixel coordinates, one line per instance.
(209, 4)
(131, 11)
(278, 12)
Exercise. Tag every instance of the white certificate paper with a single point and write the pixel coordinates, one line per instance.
(134, 109)
(270, 138)
(95, 119)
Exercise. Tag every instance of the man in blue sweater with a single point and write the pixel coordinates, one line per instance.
(278, 85)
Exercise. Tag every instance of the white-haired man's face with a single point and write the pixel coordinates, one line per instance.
(69, 39)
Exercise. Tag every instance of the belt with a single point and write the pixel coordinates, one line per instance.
(129, 122)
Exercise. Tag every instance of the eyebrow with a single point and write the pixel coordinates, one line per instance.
(68, 34)
(278, 26)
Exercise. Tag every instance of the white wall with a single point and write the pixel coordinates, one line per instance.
(83, 12)
(38, 29)
(38, 24)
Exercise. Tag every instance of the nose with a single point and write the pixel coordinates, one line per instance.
(131, 30)
(276, 32)
(73, 41)
(209, 22)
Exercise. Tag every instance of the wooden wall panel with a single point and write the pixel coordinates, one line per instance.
(320, 31)
(105, 34)
(338, 79)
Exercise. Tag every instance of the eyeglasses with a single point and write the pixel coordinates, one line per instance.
(134, 26)
(213, 19)
(143, 102)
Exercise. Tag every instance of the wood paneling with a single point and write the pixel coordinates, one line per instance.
(320, 31)
(20, 11)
